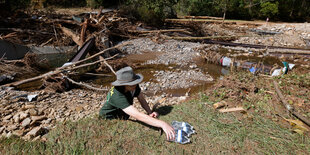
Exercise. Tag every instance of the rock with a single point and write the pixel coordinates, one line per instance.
(8, 135)
(33, 112)
(12, 127)
(23, 115)
(7, 117)
(34, 132)
(37, 118)
(16, 118)
(29, 106)
(18, 133)
(26, 122)
(2, 129)
(48, 121)
(6, 121)
(79, 109)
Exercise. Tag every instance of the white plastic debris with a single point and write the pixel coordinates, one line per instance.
(226, 61)
(32, 97)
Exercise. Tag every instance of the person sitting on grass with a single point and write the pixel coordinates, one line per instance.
(120, 99)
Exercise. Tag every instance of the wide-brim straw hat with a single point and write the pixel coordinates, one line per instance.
(126, 76)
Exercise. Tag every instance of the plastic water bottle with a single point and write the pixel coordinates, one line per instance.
(180, 125)
(183, 132)
(181, 138)
(188, 130)
(183, 126)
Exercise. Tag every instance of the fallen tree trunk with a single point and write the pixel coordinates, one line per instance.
(288, 106)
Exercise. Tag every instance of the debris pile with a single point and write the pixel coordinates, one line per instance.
(287, 35)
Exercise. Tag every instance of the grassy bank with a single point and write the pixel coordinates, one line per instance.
(259, 131)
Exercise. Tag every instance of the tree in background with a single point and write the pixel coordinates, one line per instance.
(13, 5)
(269, 9)
(151, 11)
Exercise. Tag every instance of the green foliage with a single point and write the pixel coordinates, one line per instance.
(66, 3)
(269, 9)
(13, 5)
(96, 3)
(152, 12)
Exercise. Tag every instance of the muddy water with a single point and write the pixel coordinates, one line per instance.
(147, 70)
(215, 71)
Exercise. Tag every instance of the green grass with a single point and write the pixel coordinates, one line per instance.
(259, 131)
(216, 134)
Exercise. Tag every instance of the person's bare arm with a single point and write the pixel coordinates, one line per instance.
(169, 131)
(144, 104)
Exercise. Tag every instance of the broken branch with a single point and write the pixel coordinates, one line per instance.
(93, 56)
(289, 107)
(84, 85)
(75, 37)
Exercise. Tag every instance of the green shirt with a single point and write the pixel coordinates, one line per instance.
(118, 99)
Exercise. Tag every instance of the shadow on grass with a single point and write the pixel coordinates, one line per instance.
(164, 110)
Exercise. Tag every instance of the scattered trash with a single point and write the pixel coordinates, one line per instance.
(183, 131)
(78, 19)
(32, 97)
(225, 61)
(284, 70)
(253, 70)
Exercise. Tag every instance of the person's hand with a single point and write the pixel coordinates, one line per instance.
(154, 114)
(169, 131)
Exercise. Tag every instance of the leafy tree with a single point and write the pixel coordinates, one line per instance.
(152, 11)
(269, 9)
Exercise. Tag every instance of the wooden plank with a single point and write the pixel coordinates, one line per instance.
(232, 110)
